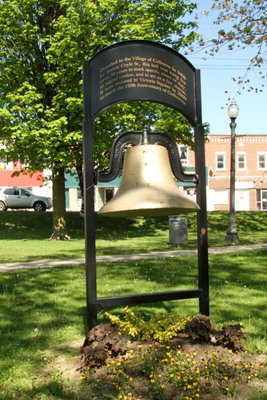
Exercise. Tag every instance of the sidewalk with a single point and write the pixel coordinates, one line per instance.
(127, 257)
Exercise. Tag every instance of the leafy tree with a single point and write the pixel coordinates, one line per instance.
(243, 25)
(43, 44)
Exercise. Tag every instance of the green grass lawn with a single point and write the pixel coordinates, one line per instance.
(40, 309)
(25, 235)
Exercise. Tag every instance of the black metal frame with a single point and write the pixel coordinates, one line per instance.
(202, 292)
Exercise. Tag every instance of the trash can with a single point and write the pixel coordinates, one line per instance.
(178, 229)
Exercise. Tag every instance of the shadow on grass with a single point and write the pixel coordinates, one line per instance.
(35, 225)
(56, 388)
(51, 299)
(43, 308)
(31, 225)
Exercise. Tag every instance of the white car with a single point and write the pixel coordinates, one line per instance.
(13, 197)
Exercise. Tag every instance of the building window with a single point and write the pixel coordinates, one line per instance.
(262, 160)
(241, 161)
(262, 200)
(109, 194)
(79, 198)
(183, 152)
(220, 161)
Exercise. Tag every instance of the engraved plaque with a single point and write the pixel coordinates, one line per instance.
(141, 70)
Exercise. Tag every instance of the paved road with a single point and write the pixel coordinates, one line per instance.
(127, 257)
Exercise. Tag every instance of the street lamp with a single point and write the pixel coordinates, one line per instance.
(231, 235)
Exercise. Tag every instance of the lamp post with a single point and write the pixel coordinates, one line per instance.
(231, 235)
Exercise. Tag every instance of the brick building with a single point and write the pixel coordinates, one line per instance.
(251, 175)
(251, 171)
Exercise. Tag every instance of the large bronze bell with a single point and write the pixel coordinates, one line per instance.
(147, 186)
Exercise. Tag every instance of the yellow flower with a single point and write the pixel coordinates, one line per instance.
(197, 395)
(162, 386)
(152, 380)
(227, 388)
(226, 378)
(81, 377)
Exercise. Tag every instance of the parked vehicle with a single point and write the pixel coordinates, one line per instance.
(13, 197)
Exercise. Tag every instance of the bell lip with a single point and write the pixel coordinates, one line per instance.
(148, 212)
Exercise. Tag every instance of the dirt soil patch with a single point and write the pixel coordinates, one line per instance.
(111, 366)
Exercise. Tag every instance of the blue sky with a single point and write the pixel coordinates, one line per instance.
(216, 78)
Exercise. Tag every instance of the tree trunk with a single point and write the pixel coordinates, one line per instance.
(59, 205)
(79, 170)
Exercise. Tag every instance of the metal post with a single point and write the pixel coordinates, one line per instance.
(202, 223)
(89, 220)
(231, 235)
(203, 263)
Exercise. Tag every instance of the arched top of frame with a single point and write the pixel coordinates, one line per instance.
(141, 70)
